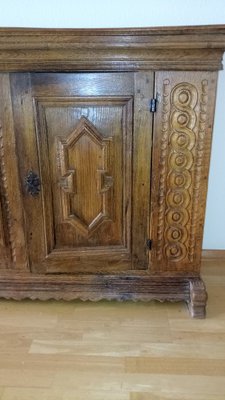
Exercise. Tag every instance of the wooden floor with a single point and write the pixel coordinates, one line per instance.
(114, 351)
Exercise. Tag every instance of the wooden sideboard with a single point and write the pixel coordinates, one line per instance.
(105, 139)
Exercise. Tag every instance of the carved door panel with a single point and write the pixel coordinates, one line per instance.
(75, 144)
(182, 140)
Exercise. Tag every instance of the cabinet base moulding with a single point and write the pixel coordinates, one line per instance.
(190, 290)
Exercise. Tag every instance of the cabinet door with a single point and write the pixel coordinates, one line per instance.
(182, 141)
(81, 158)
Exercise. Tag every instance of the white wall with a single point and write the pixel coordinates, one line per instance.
(128, 13)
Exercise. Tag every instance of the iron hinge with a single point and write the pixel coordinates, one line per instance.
(149, 244)
(152, 105)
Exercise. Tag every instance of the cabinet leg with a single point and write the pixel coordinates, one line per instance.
(198, 298)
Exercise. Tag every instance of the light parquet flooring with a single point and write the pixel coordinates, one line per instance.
(114, 351)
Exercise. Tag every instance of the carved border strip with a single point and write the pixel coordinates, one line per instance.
(163, 167)
(198, 168)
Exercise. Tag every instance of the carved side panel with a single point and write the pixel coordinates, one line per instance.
(180, 164)
(182, 140)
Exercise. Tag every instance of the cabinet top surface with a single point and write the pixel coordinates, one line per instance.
(181, 47)
(137, 31)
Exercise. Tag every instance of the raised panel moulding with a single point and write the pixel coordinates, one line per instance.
(68, 179)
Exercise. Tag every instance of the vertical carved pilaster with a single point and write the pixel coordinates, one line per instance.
(163, 167)
(182, 142)
(198, 167)
(179, 157)
(5, 200)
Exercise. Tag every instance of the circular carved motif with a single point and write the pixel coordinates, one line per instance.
(177, 216)
(179, 159)
(175, 251)
(184, 96)
(179, 180)
(178, 198)
(182, 140)
(176, 233)
(182, 160)
(182, 119)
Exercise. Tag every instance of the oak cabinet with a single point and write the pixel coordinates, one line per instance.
(104, 162)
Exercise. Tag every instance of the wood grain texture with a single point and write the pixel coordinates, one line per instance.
(95, 287)
(114, 178)
(14, 247)
(142, 145)
(114, 351)
(112, 49)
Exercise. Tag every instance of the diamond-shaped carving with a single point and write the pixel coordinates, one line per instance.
(83, 163)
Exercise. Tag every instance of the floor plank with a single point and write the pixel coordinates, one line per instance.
(114, 351)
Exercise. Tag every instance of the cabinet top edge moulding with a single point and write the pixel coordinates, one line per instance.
(126, 49)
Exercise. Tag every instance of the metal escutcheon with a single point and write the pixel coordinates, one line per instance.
(32, 183)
